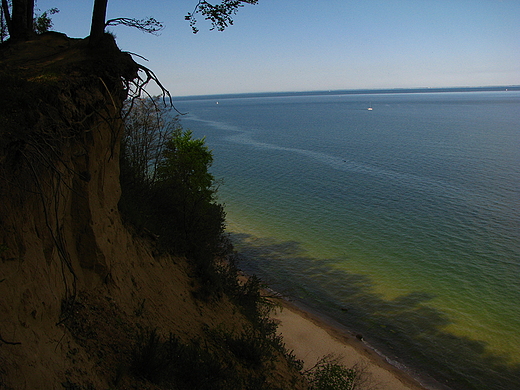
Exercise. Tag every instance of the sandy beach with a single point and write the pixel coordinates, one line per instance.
(311, 338)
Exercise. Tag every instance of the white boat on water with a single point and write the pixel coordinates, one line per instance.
(370, 107)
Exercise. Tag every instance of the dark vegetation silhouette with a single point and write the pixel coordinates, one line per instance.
(17, 18)
(220, 15)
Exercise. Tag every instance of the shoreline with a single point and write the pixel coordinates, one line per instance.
(311, 336)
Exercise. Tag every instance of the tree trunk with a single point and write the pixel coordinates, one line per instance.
(97, 27)
(22, 19)
(6, 15)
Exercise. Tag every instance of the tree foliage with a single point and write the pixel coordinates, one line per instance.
(13, 25)
(185, 165)
(43, 22)
(186, 192)
(167, 188)
(220, 15)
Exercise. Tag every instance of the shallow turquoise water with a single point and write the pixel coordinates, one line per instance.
(402, 223)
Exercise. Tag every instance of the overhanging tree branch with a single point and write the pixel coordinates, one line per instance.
(220, 15)
(148, 25)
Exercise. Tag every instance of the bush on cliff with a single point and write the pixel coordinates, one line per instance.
(167, 188)
(185, 191)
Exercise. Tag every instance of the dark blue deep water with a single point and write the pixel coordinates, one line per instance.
(401, 223)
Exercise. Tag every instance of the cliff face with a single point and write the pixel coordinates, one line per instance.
(77, 288)
(60, 229)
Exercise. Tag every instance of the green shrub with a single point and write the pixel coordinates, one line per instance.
(167, 188)
(186, 191)
(329, 374)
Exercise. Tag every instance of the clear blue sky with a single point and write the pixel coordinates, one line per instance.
(303, 45)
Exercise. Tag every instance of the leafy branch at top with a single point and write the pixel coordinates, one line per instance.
(43, 22)
(220, 15)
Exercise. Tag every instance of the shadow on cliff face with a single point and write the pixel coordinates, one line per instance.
(406, 329)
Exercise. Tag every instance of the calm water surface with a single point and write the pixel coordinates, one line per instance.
(401, 223)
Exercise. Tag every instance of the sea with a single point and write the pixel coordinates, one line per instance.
(400, 223)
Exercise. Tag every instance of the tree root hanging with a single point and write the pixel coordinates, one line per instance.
(136, 88)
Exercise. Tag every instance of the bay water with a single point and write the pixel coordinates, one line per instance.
(401, 223)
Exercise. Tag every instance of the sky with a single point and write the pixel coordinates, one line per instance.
(309, 45)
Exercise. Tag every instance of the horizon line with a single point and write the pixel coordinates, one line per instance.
(361, 91)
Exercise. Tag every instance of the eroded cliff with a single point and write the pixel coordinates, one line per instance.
(78, 289)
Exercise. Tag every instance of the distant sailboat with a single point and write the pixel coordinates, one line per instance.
(370, 107)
